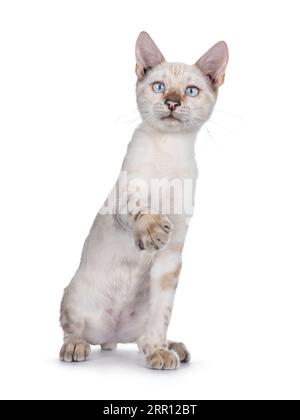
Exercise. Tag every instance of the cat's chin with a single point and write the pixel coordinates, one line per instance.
(171, 125)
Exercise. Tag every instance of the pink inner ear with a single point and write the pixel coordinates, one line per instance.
(213, 63)
(139, 72)
(147, 53)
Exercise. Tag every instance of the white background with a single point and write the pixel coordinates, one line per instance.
(67, 111)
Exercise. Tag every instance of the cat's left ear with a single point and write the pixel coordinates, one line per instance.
(213, 63)
(147, 55)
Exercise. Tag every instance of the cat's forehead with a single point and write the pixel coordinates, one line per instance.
(176, 73)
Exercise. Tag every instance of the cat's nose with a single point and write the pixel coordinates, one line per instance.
(172, 104)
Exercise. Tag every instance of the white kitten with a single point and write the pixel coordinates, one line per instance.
(124, 288)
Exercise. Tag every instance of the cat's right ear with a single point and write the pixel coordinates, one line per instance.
(147, 55)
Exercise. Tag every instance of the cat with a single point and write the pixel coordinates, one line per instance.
(124, 288)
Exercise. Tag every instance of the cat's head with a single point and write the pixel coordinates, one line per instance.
(174, 97)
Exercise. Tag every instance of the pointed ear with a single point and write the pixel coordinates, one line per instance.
(147, 55)
(213, 63)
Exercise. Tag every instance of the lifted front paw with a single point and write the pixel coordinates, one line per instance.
(163, 359)
(151, 231)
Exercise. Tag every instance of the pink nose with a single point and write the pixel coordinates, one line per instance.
(172, 105)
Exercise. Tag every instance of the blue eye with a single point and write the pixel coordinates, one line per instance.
(192, 91)
(158, 87)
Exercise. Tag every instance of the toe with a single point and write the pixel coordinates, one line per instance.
(183, 353)
(79, 352)
(67, 352)
(155, 360)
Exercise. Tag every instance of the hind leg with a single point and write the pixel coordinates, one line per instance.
(183, 353)
(108, 346)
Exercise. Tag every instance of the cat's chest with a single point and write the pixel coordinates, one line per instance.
(166, 156)
(170, 167)
(161, 164)
(155, 162)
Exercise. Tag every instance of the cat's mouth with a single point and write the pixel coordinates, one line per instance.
(170, 117)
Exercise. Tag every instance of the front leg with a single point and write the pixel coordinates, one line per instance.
(164, 276)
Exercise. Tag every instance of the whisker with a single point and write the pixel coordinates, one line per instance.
(126, 115)
(220, 125)
(127, 119)
(231, 114)
(210, 135)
